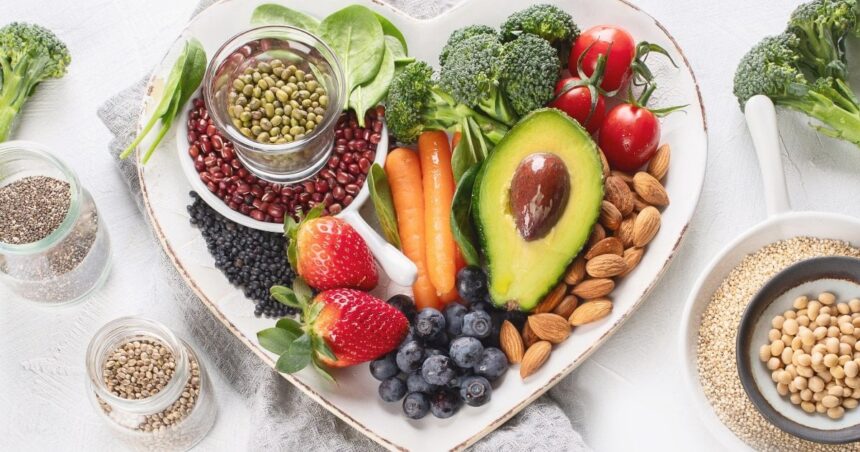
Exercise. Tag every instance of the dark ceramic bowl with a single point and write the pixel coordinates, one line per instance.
(840, 275)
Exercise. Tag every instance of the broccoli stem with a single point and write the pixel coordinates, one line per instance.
(836, 121)
(10, 102)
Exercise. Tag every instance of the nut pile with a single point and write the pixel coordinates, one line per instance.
(273, 103)
(629, 220)
(142, 368)
(814, 354)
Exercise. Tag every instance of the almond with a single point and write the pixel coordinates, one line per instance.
(549, 327)
(567, 306)
(591, 311)
(529, 336)
(609, 245)
(575, 272)
(604, 163)
(593, 288)
(552, 299)
(605, 266)
(511, 342)
(618, 193)
(646, 226)
(597, 234)
(628, 179)
(659, 164)
(639, 203)
(632, 256)
(650, 189)
(610, 216)
(625, 231)
(534, 358)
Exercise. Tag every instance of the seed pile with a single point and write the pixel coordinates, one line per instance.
(717, 361)
(140, 369)
(273, 103)
(32, 208)
(250, 259)
(814, 355)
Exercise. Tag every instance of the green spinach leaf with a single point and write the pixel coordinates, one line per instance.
(355, 35)
(272, 14)
(461, 217)
(368, 95)
(383, 203)
(389, 29)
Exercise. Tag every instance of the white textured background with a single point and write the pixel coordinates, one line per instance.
(629, 395)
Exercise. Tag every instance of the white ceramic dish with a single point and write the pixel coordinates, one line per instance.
(355, 398)
(781, 224)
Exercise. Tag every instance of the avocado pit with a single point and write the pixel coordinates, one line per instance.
(539, 192)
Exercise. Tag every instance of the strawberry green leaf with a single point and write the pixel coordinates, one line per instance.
(314, 312)
(290, 325)
(293, 254)
(322, 348)
(302, 290)
(276, 340)
(297, 357)
(323, 373)
(290, 226)
(314, 213)
(286, 296)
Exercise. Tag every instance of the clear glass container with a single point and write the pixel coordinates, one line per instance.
(138, 422)
(70, 262)
(280, 163)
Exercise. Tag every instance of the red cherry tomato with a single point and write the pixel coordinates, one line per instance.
(597, 40)
(576, 102)
(629, 137)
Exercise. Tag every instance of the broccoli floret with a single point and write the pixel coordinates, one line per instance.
(29, 54)
(461, 35)
(471, 76)
(772, 68)
(547, 21)
(821, 27)
(528, 73)
(416, 103)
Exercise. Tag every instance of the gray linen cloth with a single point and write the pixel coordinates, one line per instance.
(282, 418)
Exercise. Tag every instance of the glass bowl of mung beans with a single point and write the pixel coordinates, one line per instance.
(276, 92)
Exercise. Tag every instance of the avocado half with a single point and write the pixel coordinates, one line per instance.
(521, 272)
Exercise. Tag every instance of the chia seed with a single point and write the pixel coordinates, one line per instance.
(252, 260)
(32, 208)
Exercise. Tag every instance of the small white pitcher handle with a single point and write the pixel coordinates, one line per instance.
(761, 120)
(396, 265)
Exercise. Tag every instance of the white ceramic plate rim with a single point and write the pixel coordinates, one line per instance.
(693, 189)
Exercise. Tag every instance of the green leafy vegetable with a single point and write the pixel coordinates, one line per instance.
(368, 95)
(276, 340)
(355, 35)
(389, 29)
(471, 150)
(461, 216)
(272, 14)
(184, 78)
(383, 203)
(401, 59)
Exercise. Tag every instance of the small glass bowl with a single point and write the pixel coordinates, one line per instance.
(280, 163)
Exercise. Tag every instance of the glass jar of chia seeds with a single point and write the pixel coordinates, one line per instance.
(54, 247)
(149, 386)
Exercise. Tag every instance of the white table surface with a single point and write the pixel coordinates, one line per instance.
(627, 396)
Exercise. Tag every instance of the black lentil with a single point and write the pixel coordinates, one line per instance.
(252, 260)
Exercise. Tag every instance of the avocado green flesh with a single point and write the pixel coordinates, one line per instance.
(522, 272)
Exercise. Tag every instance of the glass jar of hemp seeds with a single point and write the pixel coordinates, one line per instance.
(149, 386)
(54, 247)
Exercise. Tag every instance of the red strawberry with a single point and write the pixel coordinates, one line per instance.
(329, 254)
(339, 328)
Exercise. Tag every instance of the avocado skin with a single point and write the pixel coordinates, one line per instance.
(547, 128)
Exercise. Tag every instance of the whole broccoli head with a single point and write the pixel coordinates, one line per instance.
(29, 54)
(772, 68)
(528, 73)
(461, 35)
(415, 103)
(821, 27)
(547, 21)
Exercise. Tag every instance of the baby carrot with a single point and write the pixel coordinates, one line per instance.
(403, 168)
(435, 153)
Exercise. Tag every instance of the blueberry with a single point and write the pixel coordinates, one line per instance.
(384, 367)
(416, 405)
(438, 370)
(416, 383)
(466, 351)
(428, 323)
(472, 283)
(392, 389)
(404, 304)
(428, 352)
(475, 391)
(492, 365)
(410, 356)
(410, 336)
(454, 314)
(481, 305)
(439, 340)
(445, 403)
(477, 324)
